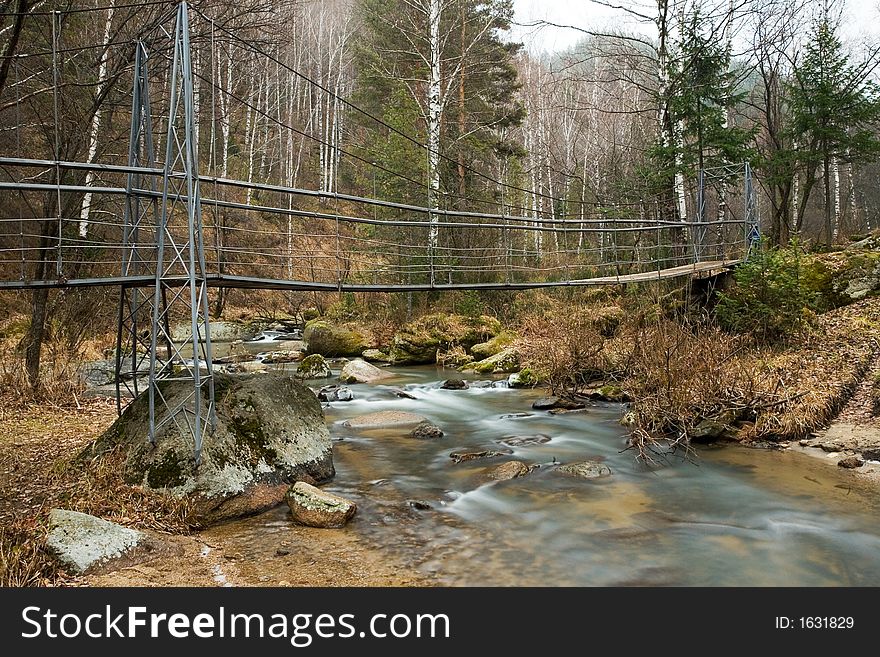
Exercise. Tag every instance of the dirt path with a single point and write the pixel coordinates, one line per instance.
(854, 432)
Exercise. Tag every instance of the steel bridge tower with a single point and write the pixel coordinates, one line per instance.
(163, 237)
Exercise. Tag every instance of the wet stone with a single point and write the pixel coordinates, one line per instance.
(851, 462)
(461, 457)
(524, 441)
(426, 431)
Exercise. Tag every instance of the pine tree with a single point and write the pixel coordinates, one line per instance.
(702, 91)
(834, 108)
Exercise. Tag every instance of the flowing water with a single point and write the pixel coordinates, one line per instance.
(734, 517)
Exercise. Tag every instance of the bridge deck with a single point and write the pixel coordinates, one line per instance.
(699, 269)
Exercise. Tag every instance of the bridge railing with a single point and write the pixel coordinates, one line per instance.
(290, 234)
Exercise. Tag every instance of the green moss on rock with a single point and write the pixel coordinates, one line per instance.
(168, 472)
(525, 378)
(493, 346)
(327, 339)
(506, 361)
(313, 367)
(419, 341)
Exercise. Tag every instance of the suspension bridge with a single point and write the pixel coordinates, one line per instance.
(166, 233)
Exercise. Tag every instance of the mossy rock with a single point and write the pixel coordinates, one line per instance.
(497, 344)
(840, 278)
(419, 342)
(313, 367)
(270, 432)
(505, 362)
(327, 339)
(525, 378)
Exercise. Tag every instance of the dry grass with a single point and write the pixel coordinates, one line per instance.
(39, 471)
(686, 376)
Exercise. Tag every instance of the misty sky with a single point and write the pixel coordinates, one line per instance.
(861, 20)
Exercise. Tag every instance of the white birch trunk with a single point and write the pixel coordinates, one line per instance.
(435, 110)
(835, 177)
(851, 190)
(95, 127)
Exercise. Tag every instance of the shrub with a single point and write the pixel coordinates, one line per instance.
(770, 298)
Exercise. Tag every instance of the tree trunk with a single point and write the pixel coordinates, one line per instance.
(95, 127)
(826, 174)
(434, 114)
(835, 173)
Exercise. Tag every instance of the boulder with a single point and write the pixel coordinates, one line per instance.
(322, 337)
(270, 431)
(314, 507)
(454, 384)
(494, 346)
(376, 356)
(404, 394)
(507, 470)
(584, 470)
(335, 394)
(360, 371)
(221, 331)
(426, 431)
(419, 341)
(314, 367)
(525, 378)
(503, 362)
(851, 462)
(83, 543)
(384, 419)
(547, 403)
(525, 441)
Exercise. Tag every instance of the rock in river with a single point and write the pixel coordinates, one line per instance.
(426, 431)
(507, 470)
(454, 384)
(462, 457)
(327, 339)
(84, 543)
(270, 432)
(314, 367)
(585, 470)
(360, 371)
(851, 462)
(524, 441)
(335, 394)
(384, 419)
(547, 403)
(317, 508)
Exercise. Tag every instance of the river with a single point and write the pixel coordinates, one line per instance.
(732, 517)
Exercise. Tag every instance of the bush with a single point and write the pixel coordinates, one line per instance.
(770, 298)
